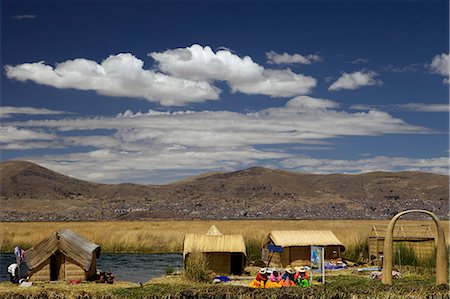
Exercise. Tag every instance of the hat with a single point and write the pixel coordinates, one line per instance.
(290, 270)
(262, 270)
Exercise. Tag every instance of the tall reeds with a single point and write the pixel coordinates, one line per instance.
(197, 268)
(167, 236)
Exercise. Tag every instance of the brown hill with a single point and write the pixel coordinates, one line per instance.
(31, 192)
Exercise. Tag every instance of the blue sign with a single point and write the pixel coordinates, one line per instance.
(275, 248)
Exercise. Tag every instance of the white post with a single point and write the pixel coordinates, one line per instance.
(323, 265)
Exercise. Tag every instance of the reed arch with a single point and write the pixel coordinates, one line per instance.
(441, 251)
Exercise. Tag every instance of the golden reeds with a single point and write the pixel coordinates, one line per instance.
(167, 236)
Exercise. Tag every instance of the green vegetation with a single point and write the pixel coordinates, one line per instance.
(253, 247)
(404, 255)
(337, 287)
(357, 250)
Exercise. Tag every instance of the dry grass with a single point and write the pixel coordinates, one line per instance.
(167, 236)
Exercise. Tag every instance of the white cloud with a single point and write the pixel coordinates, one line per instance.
(416, 107)
(379, 163)
(11, 134)
(241, 74)
(402, 69)
(285, 58)
(358, 61)
(9, 111)
(120, 75)
(355, 80)
(143, 146)
(303, 118)
(439, 65)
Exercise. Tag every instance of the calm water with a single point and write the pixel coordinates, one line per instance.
(128, 267)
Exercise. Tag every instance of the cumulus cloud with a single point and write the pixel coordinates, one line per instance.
(416, 107)
(379, 163)
(439, 65)
(186, 76)
(285, 58)
(355, 80)
(9, 111)
(120, 75)
(241, 74)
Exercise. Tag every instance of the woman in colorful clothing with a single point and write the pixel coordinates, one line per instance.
(302, 277)
(288, 277)
(260, 279)
(274, 280)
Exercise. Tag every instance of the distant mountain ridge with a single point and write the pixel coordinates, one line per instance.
(29, 192)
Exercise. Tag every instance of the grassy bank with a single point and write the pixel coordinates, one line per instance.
(342, 286)
(167, 236)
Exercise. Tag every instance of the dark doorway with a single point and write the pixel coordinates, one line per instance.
(56, 260)
(236, 263)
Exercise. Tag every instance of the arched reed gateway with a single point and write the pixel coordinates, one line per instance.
(64, 255)
(297, 244)
(441, 250)
(225, 254)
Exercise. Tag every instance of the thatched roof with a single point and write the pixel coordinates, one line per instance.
(67, 242)
(214, 231)
(288, 238)
(213, 243)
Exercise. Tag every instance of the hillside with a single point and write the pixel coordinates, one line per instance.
(30, 192)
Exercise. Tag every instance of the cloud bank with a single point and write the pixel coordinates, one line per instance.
(9, 111)
(143, 146)
(415, 107)
(184, 75)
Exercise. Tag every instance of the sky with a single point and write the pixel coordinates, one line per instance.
(156, 91)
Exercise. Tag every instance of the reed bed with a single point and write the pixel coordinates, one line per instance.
(167, 236)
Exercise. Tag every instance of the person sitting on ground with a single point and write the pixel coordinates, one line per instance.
(302, 277)
(288, 277)
(275, 276)
(274, 280)
(260, 279)
(13, 271)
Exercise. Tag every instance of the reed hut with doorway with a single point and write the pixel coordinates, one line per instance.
(296, 247)
(64, 255)
(225, 254)
(419, 238)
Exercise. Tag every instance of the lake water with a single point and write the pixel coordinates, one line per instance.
(126, 267)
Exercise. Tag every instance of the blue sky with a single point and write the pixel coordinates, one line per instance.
(154, 91)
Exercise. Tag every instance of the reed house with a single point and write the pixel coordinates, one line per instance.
(295, 247)
(64, 255)
(225, 254)
(419, 238)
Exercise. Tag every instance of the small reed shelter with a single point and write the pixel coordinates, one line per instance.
(64, 255)
(225, 254)
(296, 247)
(419, 238)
